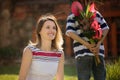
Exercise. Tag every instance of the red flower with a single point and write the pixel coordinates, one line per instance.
(98, 34)
(92, 8)
(97, 29)
(95, 25)
(76, 7)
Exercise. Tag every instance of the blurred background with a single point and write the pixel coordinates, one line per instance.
(18, 20)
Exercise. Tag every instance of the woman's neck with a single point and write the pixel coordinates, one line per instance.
(46, 46)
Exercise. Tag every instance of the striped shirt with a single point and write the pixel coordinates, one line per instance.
(44, 64)
(73, 26)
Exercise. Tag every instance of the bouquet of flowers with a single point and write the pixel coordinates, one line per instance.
(86, 19)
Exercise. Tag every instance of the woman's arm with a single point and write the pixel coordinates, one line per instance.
(60, 71)
(25, 64)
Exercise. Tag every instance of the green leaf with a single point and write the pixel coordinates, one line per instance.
(90, 14)
(82, 14)
(87, 10)
(92, 41)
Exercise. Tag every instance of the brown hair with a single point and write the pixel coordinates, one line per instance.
(58, 41)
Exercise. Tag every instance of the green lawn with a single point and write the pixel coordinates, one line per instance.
(70, 72)
(11, 72)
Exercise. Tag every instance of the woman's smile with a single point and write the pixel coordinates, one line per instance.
(51, 35)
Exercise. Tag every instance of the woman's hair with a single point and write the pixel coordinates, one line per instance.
(58, 41)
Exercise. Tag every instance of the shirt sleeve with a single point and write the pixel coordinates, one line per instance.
(70, 25)
(101, 21)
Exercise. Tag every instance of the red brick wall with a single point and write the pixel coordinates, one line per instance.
(18, 18)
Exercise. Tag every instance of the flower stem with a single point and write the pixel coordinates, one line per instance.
(97, 59)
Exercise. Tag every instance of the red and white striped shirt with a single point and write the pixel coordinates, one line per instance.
(44, 64)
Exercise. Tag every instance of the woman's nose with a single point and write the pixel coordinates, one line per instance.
(52, 30)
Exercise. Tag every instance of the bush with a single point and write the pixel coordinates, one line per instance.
(8, 54)
(113, 71)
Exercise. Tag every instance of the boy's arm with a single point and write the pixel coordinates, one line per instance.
(80, 40)
(105, 32)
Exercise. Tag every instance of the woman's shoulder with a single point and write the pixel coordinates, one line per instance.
(29, 48)
(60, 51)
(27, 52)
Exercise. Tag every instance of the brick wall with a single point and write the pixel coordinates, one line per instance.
(18, 18)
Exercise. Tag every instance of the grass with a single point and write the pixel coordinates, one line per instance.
(11, 72)
(70, 72)
(8, 77)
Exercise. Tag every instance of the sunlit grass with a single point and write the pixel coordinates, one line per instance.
(9, 77)
(70, 77)
(11, 72)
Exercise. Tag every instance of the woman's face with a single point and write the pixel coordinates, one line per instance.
(48, 30)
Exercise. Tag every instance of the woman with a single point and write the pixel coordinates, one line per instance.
(44, 59)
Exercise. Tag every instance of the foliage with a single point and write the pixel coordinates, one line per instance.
(113, 71)
(8, 54)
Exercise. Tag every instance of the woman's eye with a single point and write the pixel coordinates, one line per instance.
(47, 27)
(54, 27)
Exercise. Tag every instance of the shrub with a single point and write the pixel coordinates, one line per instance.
(8, 54)
(113, 71)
